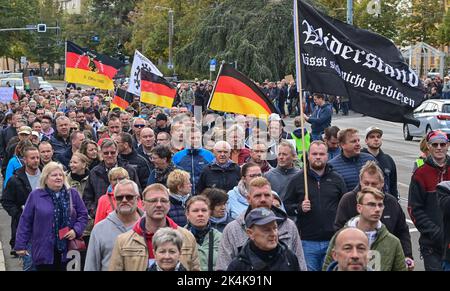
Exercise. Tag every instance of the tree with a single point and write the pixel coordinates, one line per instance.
(444, 30)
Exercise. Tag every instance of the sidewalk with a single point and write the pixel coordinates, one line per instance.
(2, 259)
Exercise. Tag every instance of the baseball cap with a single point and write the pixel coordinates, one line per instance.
(276, 117)
(102, 129)
(436, 135)
(371, 129)
(24, 130)
(35, 133)
(260, 216)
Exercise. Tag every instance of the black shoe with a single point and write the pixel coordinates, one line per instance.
(14, 254)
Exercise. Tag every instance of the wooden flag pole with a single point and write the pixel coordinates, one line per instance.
(300, 93)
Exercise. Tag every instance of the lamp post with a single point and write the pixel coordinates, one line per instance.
(350, 12)
(170, 65)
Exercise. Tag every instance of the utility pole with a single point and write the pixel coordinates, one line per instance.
(350, 12)
(171, 28)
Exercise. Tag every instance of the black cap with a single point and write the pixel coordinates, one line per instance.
(260, 216)
(89, 110)
(161, 116)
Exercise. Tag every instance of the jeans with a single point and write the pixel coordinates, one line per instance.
(315, 137)
(432, 260)
(315, 252)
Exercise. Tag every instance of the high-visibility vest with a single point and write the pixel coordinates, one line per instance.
(299, 143)
(420, 162)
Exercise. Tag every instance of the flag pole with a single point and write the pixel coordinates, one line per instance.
(300, 93)
(65, 65)
(214, 87)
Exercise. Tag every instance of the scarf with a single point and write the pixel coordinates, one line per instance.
(219, 220)
(180, 198)
(61, 215)
(199, 233)
(224, 166)
(161, 175)
(266, 256)
(77, 177)
(177, 267)
(242, 189)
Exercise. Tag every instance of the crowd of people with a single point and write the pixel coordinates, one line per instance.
(186, 189)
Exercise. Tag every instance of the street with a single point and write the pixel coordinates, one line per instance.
(403, 152)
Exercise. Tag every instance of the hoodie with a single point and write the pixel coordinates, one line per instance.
(386, 252)
(139, 228)
(101, 242)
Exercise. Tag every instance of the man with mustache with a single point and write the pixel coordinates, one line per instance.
(386, 250)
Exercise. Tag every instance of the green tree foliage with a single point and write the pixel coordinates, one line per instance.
(444, 30)
(421, 21)
(257, 34)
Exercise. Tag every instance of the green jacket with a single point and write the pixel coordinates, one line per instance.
(388, 256)
(203, 249)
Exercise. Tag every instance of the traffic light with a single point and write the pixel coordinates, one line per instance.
(42, 27)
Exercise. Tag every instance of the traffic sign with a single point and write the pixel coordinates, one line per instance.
(213, 62)
(23, 60)
(212, 68)
(42, 27)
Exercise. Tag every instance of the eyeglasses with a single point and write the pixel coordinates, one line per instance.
(156, 200)
(109, 153)
(139, 125)
(374, 205)
(435, 145)
(254, 175)
(128, 197)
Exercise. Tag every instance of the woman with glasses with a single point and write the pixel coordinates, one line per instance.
(237, 197)
(53, 215)
(207, 237)
(107, 203)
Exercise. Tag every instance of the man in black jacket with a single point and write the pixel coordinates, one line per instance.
(315, 214)
(98, 182)
(222, 173)
(19, 186)
(264, 252)
(128, 153)
(374, 141)
(443, 192)
(393, 216)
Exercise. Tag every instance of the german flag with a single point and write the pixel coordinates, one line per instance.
(89, 68)
(236, 93)
(156, 90)
(16, 96)
(122, 99)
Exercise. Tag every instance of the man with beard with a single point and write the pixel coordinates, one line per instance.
(386, 251)
(315, 214)
(374, 142)
(104, 234)
(331, 139)
(81, 119)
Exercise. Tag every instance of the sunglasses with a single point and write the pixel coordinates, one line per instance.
(139, 125)
(435, 145)
(127, 197)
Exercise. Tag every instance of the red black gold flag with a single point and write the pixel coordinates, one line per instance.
(156, 90)
(86, 67)
(122, 99)
(236, 93)
(16, 96)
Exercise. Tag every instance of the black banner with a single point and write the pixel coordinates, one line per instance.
(340, 59)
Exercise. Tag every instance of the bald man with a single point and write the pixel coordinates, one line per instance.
(350, 251)
(222, 173)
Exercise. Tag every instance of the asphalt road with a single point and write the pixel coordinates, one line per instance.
(403, 152)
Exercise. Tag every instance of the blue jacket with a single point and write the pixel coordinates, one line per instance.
(59, 144)
(193, 161)
(13, 165)
(36, 225)
(237, 203)
(177, 212)
(320, 119)
(349, 168)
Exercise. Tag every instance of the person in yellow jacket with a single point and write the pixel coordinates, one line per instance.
(297, 137)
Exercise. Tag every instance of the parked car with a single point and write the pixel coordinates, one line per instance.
(432, 114)
(11, 82)
(46, 86)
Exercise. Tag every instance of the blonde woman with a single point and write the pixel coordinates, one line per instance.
(53, 215)
(78, 174)
(179, 184)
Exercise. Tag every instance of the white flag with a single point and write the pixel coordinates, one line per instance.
(139, 62)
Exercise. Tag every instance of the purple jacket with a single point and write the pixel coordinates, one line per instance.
(36, 225)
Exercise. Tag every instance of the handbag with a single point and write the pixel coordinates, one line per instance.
(76, 244)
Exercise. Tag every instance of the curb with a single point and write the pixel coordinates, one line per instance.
(2, 259)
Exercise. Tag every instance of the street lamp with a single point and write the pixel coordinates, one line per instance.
(171, 33)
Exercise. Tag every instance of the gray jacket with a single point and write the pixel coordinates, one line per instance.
(234, 238)
(279, 179)
(101, 243)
